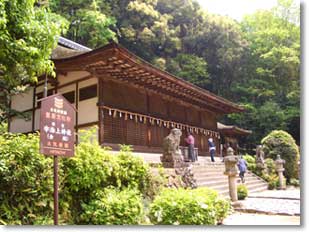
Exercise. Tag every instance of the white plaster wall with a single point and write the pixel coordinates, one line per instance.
(88, 111)
(19, 125)
(22, 102)
(71, 76)
(89, 82)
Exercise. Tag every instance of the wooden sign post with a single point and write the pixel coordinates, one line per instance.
(57, 134)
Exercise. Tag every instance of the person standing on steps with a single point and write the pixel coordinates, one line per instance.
(190, 141)
(212, 149)
(242, 167)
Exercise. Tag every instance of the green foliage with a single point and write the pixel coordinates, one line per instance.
(251, 163)
(242, 191)
(89, 24)
(271, 81)
(93, 174)
(294, 182)
(281, 143)
(113, 207)
(27, 38)
(270, 166)
(26, 183)
(94, 168)
(190, 68)
(273, 181)
(269, 174)
(3, 127)
(132, 172)
(200, 206)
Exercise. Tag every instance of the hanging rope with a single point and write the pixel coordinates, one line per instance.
(152, 120)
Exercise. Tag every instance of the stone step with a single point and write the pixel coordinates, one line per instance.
(203, 166)
(209, 177)
(254, 186)
(210, 183)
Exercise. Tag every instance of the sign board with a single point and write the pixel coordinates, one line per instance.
(57, 126)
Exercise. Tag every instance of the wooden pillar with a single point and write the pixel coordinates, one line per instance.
(76, 113)
(148, 123)
(101, 111)
(33, 107)
(201, 134)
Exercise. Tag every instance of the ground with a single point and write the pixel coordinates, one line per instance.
(275, 207)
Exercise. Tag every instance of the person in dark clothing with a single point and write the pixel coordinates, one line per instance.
(190, 142)
(212, 149)
(242, 167)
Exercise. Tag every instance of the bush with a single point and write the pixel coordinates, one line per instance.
(250, 162)
(295, 182)
(133, 172)
(113, 207)
(242, 191)
(273, 181)
(200, 206)
(26, 181)
(281, 143)
(93, 168)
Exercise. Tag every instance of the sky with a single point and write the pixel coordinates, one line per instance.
(236, 9)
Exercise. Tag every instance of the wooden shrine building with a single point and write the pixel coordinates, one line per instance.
(129, 100)
(230, 135)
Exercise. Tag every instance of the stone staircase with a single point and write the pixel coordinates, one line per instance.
(212, 175)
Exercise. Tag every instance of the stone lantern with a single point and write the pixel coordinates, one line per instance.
(279, 168)
(231, 171)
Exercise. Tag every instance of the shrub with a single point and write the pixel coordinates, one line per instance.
(270, 166)
(294, 182)
(242, 191)
(3, 127)
(273, 181)
(26, 181)
(133, 172)
(93, 168)
(113, 207)
(250, 162)
(281, 143)
(200, 206)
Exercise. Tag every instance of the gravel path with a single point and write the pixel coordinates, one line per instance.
(247, 219)
(280, 202)
(270, 207)
(291, 193)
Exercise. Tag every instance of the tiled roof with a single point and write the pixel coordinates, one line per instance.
(73, 45)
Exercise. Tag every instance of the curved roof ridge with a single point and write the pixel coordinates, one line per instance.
(138, 60)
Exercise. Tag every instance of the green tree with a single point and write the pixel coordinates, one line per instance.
(190, 68)
(28, 34)
(281, 143)
(270, 80)
(89, 23)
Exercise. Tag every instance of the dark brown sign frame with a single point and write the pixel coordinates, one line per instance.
(57, 122)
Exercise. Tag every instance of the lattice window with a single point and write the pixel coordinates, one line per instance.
(114, 129)
(136, 133)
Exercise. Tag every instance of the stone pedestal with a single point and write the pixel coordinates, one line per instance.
(279, 168)
(231, 171)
